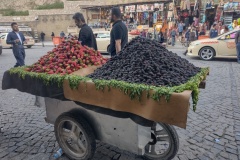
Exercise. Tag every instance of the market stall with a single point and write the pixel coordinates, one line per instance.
(133, 97)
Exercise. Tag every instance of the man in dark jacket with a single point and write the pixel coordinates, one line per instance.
(213, 32)
(17, 39)
(86, 36)
(42, 35)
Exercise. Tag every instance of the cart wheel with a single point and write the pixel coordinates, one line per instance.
(75, 137)
(165, 143)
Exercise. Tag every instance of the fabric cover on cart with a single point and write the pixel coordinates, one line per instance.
(37, 87)
(173, 112)
(31, 85)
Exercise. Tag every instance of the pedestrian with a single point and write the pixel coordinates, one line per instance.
(52, 35)
(62, 34)
(70, 36)
(213, 32)
(196, 33)
(187, 34)
(119, 32)
(180, 28)
(160, 37)
(42, 35)
(17, 40)
(144, 33)
(202, 33)
(226, 29)
(192, 34)
(86, 36)
(237, 41)
(173, 36)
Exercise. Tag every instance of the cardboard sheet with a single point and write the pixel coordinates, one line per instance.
(173, 112)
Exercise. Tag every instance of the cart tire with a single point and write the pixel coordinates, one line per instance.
(173, 146)
(79, 142)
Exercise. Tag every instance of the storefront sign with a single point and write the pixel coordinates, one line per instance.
(158, 6)
(130, 8)
(170, 6)
(145, 8)
(231, 6)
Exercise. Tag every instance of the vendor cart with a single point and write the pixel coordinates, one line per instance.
(77, 126)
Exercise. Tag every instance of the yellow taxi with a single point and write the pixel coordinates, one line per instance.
(221, 46)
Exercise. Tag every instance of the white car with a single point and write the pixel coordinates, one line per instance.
(221, 46)
(3, 40)
(103, 40)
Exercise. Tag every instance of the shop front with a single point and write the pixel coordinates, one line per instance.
(134, 14)
(186, 11)
(231, 12)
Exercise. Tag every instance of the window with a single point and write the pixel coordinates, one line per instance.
(230, 36)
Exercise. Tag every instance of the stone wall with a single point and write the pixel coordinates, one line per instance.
(52, 23)
(22, 4)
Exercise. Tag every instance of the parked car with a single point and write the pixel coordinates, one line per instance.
(3, 39)
(221, 46)
(103, 40)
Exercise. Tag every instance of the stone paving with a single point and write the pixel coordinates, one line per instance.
(213, 131)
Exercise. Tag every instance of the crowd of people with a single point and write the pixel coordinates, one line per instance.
(182, 33)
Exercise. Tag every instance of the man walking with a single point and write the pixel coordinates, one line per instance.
(42, 35)
(52, 35)
(119, 32)
(17, 39)
(237, 41)
(86, 36)
(180, 28)
(173, 36)
(213, 32)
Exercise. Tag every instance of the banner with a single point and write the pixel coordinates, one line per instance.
(145, 8)
(130, 8)
(231, 6)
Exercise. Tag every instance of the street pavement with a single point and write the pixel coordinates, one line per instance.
(212, 133)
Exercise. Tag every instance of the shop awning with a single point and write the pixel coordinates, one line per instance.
(127, 3)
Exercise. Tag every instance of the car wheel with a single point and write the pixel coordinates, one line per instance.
(207, 53)
(29, 46)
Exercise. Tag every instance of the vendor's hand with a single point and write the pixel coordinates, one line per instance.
(17, 40)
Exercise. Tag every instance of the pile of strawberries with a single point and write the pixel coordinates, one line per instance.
(67, 57)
